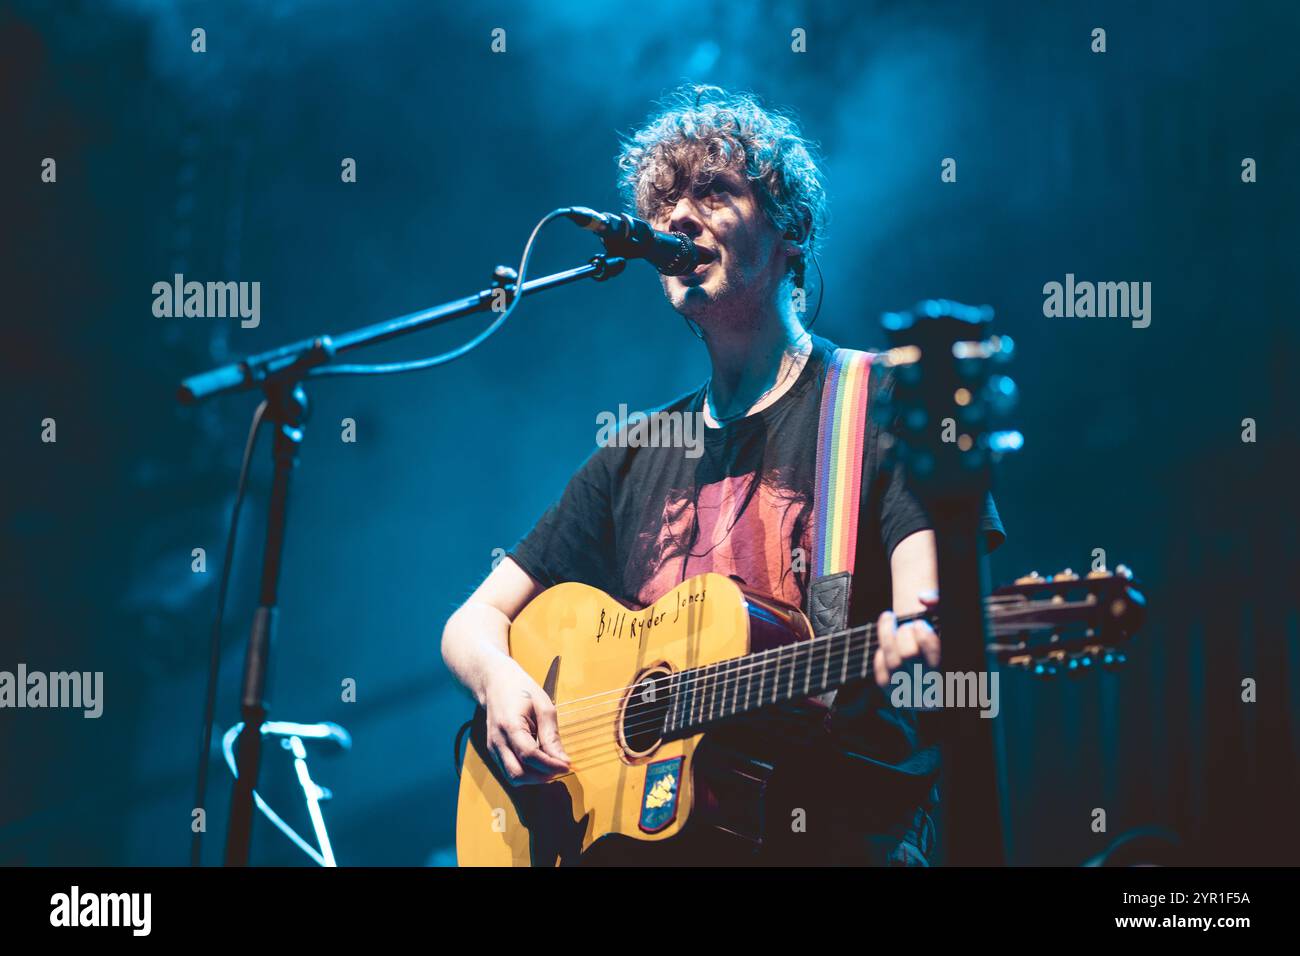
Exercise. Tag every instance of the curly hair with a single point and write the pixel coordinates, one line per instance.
(701, 130)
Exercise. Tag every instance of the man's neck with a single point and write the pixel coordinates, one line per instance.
(755, 366)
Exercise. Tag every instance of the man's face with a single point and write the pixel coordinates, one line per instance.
(743, 255)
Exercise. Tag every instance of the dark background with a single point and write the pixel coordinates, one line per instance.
(1122, 166)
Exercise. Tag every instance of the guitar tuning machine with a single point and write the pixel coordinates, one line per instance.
(1003, 348)
(1002, 393)
(1121, 571)
(1082, 662)
(1046, 665)
(1045, 668)
(1112, 659)
(1075, 664)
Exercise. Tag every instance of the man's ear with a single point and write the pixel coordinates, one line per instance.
(794, 262)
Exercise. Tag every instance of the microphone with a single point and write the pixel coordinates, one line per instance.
(673, 254)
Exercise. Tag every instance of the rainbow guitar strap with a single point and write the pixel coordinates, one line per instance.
(838, 491)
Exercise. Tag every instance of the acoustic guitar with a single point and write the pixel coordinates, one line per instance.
(636, 690)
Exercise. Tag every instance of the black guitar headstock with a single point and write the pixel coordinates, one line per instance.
(1065, 623)
(950, 397)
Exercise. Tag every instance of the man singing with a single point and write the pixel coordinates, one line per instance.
(744, 185)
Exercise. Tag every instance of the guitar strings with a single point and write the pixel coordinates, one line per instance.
(567, 709)
(729, 671)
(592, 753)
(700, 673)
(720, 696)
(726, 685)
(992, 602)
(586, 748)
(729, 683)
(638, 722)
(583, 733)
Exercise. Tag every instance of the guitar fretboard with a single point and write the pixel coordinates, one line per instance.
(705, 695)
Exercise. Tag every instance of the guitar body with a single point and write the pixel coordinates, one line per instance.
(596, 657)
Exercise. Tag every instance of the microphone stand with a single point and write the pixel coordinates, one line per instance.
(291, 738)
(279, 374)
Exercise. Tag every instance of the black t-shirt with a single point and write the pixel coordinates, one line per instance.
(637, 521)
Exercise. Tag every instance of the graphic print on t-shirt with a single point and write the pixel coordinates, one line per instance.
(745, 525)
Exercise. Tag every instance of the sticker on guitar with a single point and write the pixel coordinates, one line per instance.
(659, 804)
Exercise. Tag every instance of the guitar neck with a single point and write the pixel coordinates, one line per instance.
(705, 695)
(715, 692)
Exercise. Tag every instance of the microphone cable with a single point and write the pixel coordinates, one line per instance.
(393, 368)
(214, 645)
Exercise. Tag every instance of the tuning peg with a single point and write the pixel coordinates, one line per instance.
(1066, 575)
(1050, 664)
(1003, 442)
(1002, 393)
(1123, 571)
(1033, 577)
(1045, 668)
(1079, 664)
(1113, 660)
(1100, 573)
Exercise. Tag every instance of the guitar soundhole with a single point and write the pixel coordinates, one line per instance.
(644, 711)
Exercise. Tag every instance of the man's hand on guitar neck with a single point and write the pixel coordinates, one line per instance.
(915, 576)
(903, 645)
(522, 730)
